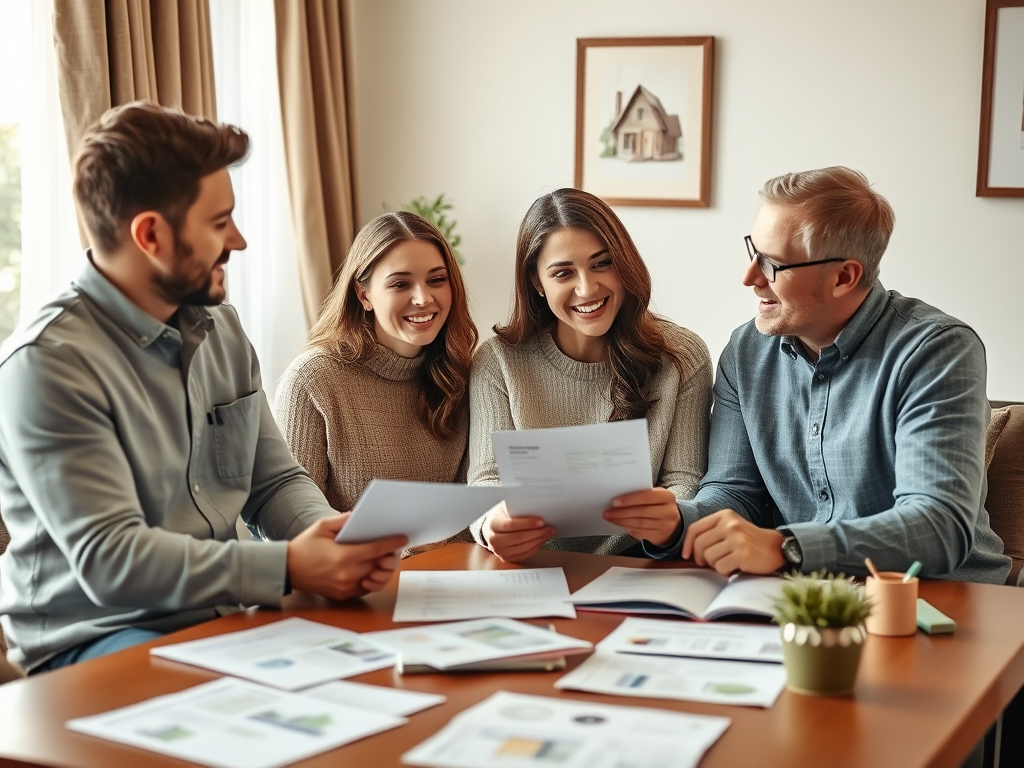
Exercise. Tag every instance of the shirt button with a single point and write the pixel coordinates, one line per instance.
(196, 488)
(823, 495)
(814, 429)
(821, 377)
(143, 339)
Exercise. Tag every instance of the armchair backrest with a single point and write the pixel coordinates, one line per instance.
(1004, 463)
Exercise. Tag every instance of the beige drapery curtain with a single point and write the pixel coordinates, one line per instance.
(311, 77)
(114, 51)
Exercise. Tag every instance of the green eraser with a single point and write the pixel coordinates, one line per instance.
(932, 620)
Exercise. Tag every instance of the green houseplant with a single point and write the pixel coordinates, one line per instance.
(822, 620)
(436, 211)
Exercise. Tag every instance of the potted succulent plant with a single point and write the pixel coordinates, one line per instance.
(822, 620)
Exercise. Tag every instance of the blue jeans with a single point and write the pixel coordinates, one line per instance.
(101, 646)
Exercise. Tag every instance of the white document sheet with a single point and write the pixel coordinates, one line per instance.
(716, 682)
(292, 653)
(375, 698)
(658, 637)
(448, 595)
(234, 724)
(569, 475)
(467, 642)
(514, 730)
(425, 512)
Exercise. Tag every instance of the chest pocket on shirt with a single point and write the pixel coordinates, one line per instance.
(236, 429)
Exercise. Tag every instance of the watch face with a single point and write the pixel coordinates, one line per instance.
(791, 551)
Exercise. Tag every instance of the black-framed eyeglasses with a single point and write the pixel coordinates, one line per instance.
(770, 268)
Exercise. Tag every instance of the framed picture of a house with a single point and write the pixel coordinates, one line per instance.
(1001, 142)
(643, 119)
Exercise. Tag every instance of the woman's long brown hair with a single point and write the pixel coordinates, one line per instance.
(635, 341)
(346, 331)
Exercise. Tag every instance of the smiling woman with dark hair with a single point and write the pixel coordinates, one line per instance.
(582, 347)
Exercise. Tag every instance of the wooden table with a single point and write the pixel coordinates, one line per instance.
(919, 701)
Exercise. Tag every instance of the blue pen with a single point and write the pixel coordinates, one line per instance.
(912, 571)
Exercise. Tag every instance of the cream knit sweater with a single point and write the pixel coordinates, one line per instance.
(348, 424)
(534, 385)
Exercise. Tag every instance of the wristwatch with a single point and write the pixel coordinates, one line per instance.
(791, 551)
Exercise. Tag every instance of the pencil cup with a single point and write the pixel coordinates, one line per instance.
(894, 604)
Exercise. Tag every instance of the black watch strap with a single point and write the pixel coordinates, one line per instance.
(792, 552)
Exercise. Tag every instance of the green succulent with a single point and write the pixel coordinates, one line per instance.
(821, 599)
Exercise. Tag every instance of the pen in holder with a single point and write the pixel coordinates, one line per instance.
(894, 599)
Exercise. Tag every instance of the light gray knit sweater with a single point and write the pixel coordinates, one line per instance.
(534, 385)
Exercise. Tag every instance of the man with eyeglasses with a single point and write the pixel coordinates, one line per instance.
(849, 421)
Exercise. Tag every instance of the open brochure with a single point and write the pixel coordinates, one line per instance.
(691, 593)
(292, 653)
(516, 730)
(445, 646)
(230, 723)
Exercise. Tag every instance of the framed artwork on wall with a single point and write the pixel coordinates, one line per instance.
(643, 119)
(1001, 140)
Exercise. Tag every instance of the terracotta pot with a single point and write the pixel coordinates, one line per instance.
(821, 662)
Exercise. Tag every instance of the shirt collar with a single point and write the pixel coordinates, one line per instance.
(855, 331)
(139, 325)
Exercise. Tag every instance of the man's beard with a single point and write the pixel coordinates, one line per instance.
(180, 290)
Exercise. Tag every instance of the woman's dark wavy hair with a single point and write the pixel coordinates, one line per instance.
(346, 331)
(635, 341)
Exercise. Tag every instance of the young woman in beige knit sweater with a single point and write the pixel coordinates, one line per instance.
(582, 347)
(380, 388)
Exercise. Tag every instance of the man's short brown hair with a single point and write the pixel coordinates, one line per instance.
(143, 157)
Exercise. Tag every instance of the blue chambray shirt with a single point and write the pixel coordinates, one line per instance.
(128, 449)
(875, 450)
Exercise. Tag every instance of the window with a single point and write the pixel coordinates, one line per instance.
(14, 20)
(639, 113)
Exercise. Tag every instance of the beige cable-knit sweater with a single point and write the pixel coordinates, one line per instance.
(534, 385)
(350, 423)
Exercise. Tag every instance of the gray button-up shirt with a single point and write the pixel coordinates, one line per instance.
(875, 450)
(128, 449)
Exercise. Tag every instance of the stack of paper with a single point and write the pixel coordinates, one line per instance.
(520, 731)
(289, 654)
(449, 595)
(446, 646)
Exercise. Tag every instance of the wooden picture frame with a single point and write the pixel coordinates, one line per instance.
(643, 119)
(1001, 137)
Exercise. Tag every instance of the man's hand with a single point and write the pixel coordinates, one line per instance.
(729, 543)
(513, 539)
(652, 515)
(320, 565)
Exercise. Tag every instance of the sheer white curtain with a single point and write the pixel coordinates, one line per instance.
(52, 253)
(263, 280)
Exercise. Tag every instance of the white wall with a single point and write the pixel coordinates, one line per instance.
(476, 98)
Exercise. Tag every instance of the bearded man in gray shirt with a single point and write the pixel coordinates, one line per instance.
(134, 430)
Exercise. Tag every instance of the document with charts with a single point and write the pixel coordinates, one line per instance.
(231, 723)
(425, 512)
(467, 642)
(292, 653)
(660, 637)
(712, 681)
(569, 475)
(515, 730)
(694, 593)
(518, 593)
